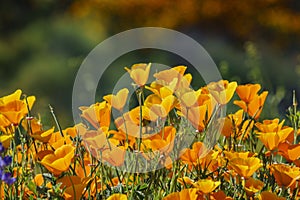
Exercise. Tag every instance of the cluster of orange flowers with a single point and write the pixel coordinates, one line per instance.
(228, 157)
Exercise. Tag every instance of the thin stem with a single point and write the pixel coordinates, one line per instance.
(56, 121)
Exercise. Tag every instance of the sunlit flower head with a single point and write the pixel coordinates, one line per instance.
(206, 185)
(139, 73)
(245, 167)
(117, 101)
(247, 92)
(285, 175)
(222, 90)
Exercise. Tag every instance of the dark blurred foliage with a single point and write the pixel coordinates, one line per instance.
(42, 43)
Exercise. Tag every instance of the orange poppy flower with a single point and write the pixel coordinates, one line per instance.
(222, 91)
(102, 147)
(82, 170)
(163, 142)
(73, 187)
(95, 141)
(266, 195)
(43, 136)
(162, 90)
(129, 123)
(14, 96)
(139, 73)
(245, 167)
(232, 154)
(189, 98)
(5, 140)
(285, 175)
(38, 180)
(57, 140)
(247, 92)
(159, 107)
(220, 195)
(254, 107)
(206, 185)
(270, 125)
(200, 114)
(185, 194)
(59, 160)
(231, 123)
(291, 152)
(121, 137)
(271, 140)
(253, 186)
(97, 114)
(117, 101)
(4, 122)
(165, 77)
(117, 197)
(32, 126)
(174, 78)
(114, 156)
(16, 109)
(194, 156)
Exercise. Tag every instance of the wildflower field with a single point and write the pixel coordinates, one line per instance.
(163, 141)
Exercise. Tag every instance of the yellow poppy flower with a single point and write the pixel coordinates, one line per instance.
(97, 114)
(189, 98)
(271, 140)
(167, 76)
(95, 141)
(159, 107)
(114, 156)
(163, 142)
(206, 185)
(117, 197)
(14, 96)
(129, 123)
(222, 91)
(16, 109)
(285, 175)
(161, 90)
(186, 194)
(60, 160)
(270, 125)
(139, 73)
(57, 139)
(5, 140)
(117, 101)
(245, 167)
(232, 154)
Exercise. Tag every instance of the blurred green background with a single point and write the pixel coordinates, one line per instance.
(42, 44)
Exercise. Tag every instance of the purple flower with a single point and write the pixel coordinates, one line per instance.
(6, 177)
(5, 161)
(1, 148)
